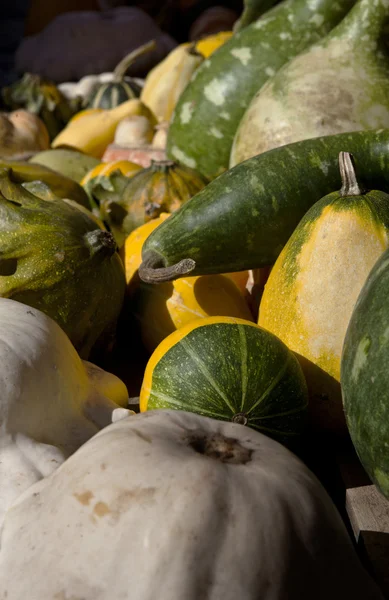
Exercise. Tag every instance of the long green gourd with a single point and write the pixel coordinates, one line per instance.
(252, 10)
(339, 84)
(210, 109)
(242, 219)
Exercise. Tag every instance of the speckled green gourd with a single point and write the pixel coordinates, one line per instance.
(265, 197)
(365, 375)
(340, 84)
(209, 110)
(54, 257)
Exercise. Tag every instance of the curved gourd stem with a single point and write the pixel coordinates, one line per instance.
(121, 68)
(149, 272)
(350, 185)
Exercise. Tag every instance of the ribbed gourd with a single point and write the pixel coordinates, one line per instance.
(314, 284)
(162, 187)
(339, 84)
(120, 89)
(232, 370)
(57, 259)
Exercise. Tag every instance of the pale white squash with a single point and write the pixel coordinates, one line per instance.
(168, 505)
(51, 401)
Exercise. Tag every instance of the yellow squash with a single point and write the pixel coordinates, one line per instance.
(166, 82)
(161, 309)
(314, 284)
(91, 131)
(126, 168)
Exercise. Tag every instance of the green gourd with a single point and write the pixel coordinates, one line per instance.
(243, 219)
(209, 110)
(111, 94)
(252, 10)
(61, 185)
(229, 369)
(56, 258)
(339, 84)
(365, 375)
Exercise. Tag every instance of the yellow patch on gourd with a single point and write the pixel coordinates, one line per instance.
(360, 359)
(309, 298)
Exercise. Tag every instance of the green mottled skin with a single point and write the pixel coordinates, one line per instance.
(219, 370)
(286, 30)
(59, 270)
(365, 375)
(61, 185)
(339, 84)
(242, 219)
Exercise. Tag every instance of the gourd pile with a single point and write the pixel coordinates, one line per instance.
(194, 273)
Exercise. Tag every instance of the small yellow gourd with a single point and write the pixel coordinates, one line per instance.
(92, 130)
(162, 309)
(126, 167)
(165, 83)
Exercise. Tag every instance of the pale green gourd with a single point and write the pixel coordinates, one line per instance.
(338, 85)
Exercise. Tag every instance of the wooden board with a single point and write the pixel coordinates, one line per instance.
(368, 514)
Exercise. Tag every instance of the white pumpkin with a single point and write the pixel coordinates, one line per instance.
(51, 401)
(169, 505)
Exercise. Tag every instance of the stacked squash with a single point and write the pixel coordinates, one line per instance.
(245, 307)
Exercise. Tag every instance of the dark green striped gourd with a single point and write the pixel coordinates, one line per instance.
(208, 112)
(229, 369)
(120, 89)
(365, 375)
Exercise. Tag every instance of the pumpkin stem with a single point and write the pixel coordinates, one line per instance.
(162, 165)
(122, 67)
(350, 185)
(150, 272)
(240, 418)
(220, 447)
(100, 242)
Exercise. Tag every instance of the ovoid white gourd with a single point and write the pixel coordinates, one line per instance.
(170, 505)
(51, 401)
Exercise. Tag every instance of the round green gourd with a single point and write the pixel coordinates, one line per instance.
(232, 370)
(365, 375)
(55, 257)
